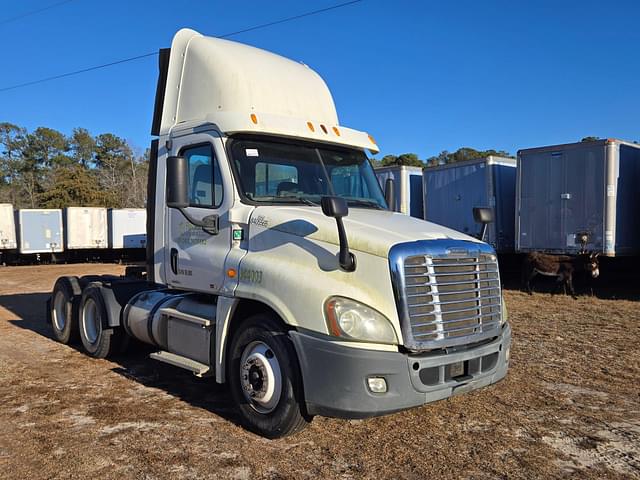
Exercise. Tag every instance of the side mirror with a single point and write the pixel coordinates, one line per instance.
(390, 194)
(177, 195)
(483, 215)
(177, 182)
(337, 208)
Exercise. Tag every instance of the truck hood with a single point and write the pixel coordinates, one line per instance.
(368, 230)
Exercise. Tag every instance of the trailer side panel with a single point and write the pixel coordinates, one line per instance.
(451, 194)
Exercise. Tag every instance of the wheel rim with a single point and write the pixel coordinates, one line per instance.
(91, 325)
(59, 311)
(260, 377)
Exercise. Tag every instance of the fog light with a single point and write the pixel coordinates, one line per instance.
(507, 354)
(377, 384)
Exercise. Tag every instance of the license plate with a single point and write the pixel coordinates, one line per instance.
(456, 369)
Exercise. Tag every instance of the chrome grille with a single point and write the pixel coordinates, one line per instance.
(447, 298)
(451, 297)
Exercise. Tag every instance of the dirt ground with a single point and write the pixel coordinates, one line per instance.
(569, 407)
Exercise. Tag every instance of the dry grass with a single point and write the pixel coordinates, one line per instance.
(570, 407)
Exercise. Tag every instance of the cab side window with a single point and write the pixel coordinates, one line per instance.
(205, 181)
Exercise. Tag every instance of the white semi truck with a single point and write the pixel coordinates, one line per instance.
(274, 264)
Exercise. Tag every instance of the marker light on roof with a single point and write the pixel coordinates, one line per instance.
(336, 131)
(324, 129)
(310, 125)
(254, 119)
(371, 139)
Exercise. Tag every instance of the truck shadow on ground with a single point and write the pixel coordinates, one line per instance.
(29, 310)
(203, 393)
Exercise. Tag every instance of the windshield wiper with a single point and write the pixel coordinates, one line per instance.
(365, 203)
(304, 200)
(288, 198)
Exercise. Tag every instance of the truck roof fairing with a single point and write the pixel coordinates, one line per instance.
(241, 88)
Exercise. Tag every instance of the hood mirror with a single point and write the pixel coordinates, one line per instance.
(337, 208)
(485, 216)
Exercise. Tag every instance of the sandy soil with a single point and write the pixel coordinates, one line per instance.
(569, 408)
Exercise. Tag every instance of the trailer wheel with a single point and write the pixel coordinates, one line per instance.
(98, 341)
(265, 379)
(64, 305)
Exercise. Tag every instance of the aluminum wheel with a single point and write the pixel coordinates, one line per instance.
(60, 310)
(91, 322)
(260, 377)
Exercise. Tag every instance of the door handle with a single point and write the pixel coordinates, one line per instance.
(174, 261)
(210, 223)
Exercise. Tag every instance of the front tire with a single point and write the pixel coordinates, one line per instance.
(98, 341)
(64, 306)
(264, 378)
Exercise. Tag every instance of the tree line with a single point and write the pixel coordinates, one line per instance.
(45, 168)
(444, 157)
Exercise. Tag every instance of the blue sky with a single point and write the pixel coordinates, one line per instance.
(421, 76)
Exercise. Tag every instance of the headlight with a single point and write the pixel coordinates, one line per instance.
(352, 320)
(505, 314)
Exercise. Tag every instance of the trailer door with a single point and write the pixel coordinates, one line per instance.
(41, 231)
(582, 196)
(541, 185)
(416, 197)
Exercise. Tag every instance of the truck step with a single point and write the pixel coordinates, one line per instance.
(173, 313)
(199, 369)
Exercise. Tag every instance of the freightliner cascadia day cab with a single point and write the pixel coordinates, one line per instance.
(274, 264)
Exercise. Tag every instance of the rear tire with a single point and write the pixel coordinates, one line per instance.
(264, 378)
(64, 307)
(98, 340)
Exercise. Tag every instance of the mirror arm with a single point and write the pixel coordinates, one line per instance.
(485, 216)
(346, 259)
(337, 208)
(209, 223)
(483, 233)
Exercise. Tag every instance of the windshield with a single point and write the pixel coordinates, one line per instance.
(274, 172)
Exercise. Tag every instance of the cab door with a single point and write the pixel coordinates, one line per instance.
(195, 258)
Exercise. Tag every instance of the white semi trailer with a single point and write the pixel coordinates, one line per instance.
(8, 240)
(409, 196)
(85, 228)
(274, 264)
